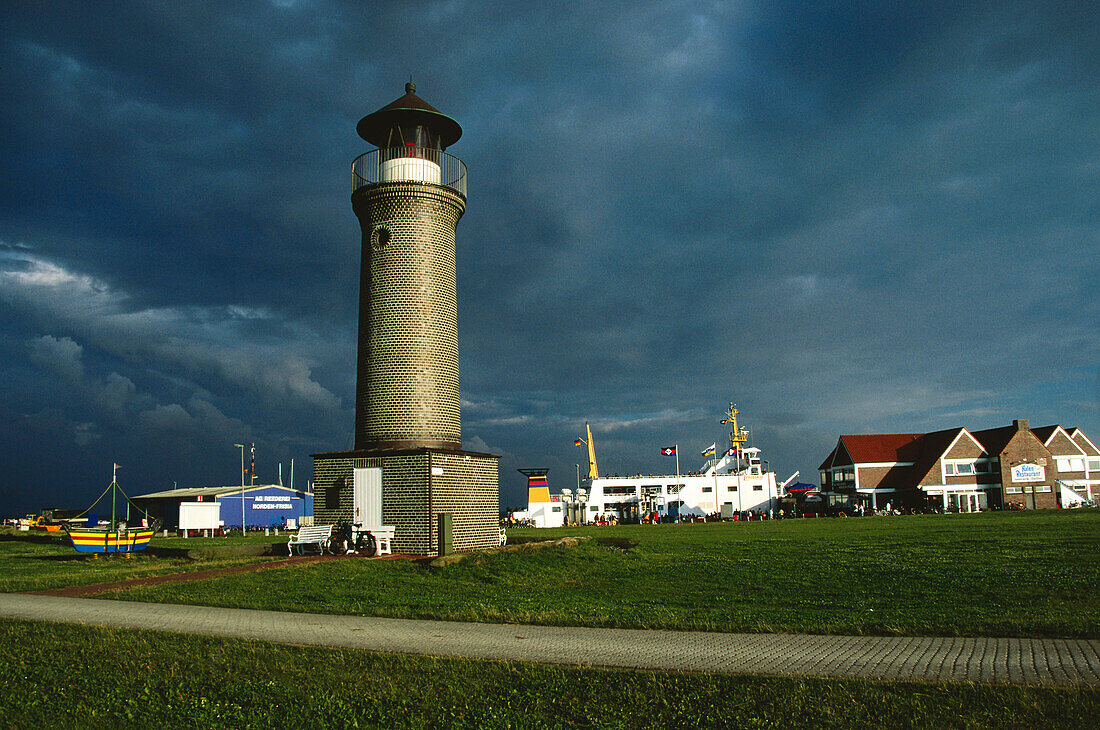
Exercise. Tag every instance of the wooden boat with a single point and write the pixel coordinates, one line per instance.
(105, 540)
(116, 537)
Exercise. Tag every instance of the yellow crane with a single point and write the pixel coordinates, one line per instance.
(593, 472)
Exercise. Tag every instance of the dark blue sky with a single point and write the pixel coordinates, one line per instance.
(846, 218)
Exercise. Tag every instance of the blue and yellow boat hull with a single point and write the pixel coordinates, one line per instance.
(110, 541)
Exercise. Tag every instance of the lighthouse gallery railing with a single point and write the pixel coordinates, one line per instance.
(409, 164)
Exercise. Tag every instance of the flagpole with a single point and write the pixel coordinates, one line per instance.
(677, 467)
(717, 499)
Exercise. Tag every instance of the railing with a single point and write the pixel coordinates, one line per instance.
(409, 164)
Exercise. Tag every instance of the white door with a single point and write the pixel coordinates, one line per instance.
(368, 497)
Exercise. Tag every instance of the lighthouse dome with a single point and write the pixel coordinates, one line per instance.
(409, 119)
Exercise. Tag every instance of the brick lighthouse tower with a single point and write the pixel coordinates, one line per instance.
(408, 469)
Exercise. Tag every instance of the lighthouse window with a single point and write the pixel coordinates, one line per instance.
(379, 238)
(412, 140)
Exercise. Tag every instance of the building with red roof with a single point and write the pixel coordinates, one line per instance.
(1014, 467)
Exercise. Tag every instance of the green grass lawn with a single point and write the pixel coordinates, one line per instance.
(993, 574)
(72, 676)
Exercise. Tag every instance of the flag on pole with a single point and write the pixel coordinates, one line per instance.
(732, 452)
(711, 450)
(578, 442)
(669, 451)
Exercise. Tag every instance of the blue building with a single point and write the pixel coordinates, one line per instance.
(265, 505)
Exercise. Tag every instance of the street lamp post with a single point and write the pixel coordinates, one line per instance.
(241, 447)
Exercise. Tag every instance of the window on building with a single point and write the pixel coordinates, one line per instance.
(731, 488)
(1042, 488)
(555, 509)
(964, 469)
(332, 494)
(949, 468)
(1074, 464)
(618, 490)
(708, 489)
(674, 488)
(1012, 490)
(1094, 464)
(594, 508)
(758, 487)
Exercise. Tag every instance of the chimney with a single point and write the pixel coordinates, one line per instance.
(1021, 424)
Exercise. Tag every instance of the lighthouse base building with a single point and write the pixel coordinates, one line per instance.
(439, 500)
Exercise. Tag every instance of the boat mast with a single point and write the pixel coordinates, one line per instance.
(114, 488)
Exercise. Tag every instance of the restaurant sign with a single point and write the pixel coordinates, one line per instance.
(1028, 473)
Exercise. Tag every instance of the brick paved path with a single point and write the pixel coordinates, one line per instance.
(995, 661)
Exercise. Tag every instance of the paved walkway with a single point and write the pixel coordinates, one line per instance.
(1056, 662)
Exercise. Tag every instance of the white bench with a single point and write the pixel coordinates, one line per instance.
(383, 536)
(318, 535)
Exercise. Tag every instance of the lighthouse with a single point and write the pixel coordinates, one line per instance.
(408, 195)
(407, 469)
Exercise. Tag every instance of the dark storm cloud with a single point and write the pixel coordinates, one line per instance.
(867, 216)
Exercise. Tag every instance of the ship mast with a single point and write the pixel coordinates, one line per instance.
(738, 436)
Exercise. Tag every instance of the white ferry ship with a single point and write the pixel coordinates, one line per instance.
(732, 485)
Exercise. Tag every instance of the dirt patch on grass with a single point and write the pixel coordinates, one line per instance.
(524, 547)
(99, 588)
